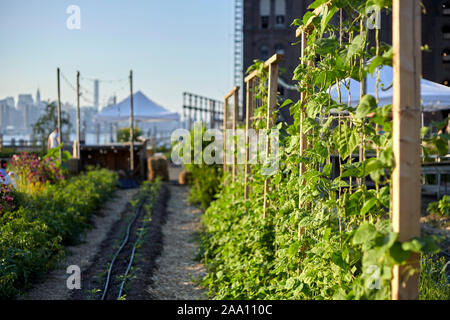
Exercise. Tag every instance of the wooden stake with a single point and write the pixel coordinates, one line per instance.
(235, 121)
(406, 194)
(271, 105)
(302, 114)
(59, 114)
(131, 124)
(225, 116)
(78, 115)
(248, 119)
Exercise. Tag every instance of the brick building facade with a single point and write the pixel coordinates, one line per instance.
(267, 31)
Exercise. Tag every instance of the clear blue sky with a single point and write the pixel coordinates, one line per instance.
(171, 45)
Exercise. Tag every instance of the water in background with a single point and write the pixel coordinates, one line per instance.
(91, 138)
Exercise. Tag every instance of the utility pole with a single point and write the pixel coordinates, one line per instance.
(131, 124)
(59, 115)
(78, 115)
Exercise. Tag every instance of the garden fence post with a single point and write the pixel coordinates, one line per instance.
(248, 119)
(78, 117)
(131, 124)
(406, 197)
(59, 115)
(225, 116)
(235, 121)
(271, 105)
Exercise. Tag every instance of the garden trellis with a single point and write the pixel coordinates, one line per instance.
(234, 115)
(360, 213)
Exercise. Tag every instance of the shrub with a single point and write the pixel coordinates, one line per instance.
(33, 235)
(123, 135)
(33, 174)
(7, 198)
(441, 207)
(433, 280)
(205, 179)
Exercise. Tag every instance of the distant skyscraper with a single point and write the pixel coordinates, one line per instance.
(24, 105)
(96, 104)
(10, 102)
(38, 97)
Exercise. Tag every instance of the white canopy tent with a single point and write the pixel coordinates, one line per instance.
(144, 110)
(434, 96)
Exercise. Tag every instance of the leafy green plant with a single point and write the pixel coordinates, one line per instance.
(441, 207)
(320, 237)
(32, 173)
(123, 135)
(32, 237)
(205, 179)
(434, 280)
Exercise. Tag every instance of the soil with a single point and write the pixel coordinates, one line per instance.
(178, 275)
(54, 287)
(94, 277)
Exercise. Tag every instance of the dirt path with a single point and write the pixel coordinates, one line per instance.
(164, 267)
(177, 273)
(54, 287)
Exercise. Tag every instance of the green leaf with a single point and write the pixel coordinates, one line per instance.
(307, 16)
(367, 105)
(286, 102)
(328, 14)
(316, 4)
(366, 232)
(326, 234)
(368, 205)
(292, 283)
(442, 146)
(325, 46)
(313, 108)
(398, 254)
(293, 249)
(376, 62)
(413, 245)
(356, 45)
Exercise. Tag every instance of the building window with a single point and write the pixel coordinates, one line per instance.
(446, 82)
(280, 13)
(446, 9)
(279, 48)
(264, 53)
(446, 56)
(446, 32)
(264, 12)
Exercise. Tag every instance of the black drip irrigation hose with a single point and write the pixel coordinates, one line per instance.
(132, 257)
(129, 264)
(124, 242)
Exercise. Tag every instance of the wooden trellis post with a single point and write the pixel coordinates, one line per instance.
(406, 193)
(272, 65)
(234, 92)
(250, 96)
(235, 121)
(131, 124)
(302, 34)
(271, 105)
(302, 99)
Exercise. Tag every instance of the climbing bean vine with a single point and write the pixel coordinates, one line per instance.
(326, 235)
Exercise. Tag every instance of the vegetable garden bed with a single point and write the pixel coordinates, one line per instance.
(33, 234)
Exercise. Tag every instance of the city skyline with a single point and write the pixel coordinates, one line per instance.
(113, 39)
